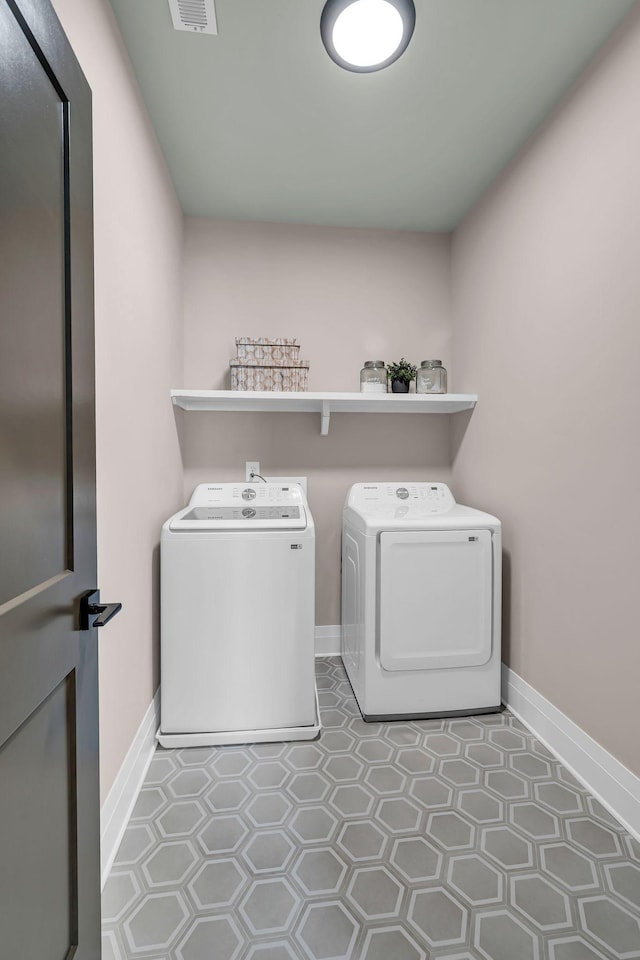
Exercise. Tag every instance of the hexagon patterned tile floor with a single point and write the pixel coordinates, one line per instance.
(459, 839)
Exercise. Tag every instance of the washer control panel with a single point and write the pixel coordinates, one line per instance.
(401, 499)
(253, 495)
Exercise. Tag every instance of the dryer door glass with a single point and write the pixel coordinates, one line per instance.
(435, 599)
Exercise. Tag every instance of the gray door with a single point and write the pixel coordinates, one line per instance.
(49, 798)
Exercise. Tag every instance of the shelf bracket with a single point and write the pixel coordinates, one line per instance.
(325, 416)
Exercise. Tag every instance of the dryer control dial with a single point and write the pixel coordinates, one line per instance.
(248, 494)
(402, 493)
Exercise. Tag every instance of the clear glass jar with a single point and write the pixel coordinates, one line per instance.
(373, 377)
(431, 377)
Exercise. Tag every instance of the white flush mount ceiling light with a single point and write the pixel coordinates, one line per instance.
(367, 35)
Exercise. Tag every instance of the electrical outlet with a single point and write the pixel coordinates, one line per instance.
(251, 466)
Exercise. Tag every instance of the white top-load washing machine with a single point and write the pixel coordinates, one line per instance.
(421, 589)
(237, 607)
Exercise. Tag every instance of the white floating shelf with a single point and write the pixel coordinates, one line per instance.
(252, 401)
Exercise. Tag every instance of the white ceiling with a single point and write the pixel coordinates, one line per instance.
(258, 123)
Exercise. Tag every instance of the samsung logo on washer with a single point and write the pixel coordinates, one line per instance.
(296, 546)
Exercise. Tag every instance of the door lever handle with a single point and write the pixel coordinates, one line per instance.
(107, 612)
(90, 606)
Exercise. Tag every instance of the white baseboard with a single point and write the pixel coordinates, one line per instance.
(122, 796)
(615, 786)
(328, 641)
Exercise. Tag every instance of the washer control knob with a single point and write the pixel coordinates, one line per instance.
(248, 494)
(402, 493)
(248, 512)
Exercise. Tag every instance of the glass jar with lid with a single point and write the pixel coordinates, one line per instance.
(373, 377)
(431, 377)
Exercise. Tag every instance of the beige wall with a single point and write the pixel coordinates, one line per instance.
(347, 295)
(546, 281)
(138, 241)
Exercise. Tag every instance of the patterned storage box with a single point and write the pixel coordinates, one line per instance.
(273, 375)
(267, 348)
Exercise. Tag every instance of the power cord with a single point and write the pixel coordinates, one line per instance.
(252, 475)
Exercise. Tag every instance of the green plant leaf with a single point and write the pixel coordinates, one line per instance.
(402, 370)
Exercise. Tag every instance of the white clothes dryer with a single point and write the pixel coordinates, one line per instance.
(421, 595)
(238, 617)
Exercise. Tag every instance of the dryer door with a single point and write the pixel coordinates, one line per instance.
(435, 589)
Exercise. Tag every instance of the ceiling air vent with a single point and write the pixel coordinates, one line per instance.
(195, 16)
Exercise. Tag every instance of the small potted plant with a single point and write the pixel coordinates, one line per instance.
(401, 374)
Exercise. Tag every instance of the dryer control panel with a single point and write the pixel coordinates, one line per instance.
(401, 498)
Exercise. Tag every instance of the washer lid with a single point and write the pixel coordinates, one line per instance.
(249, 516)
